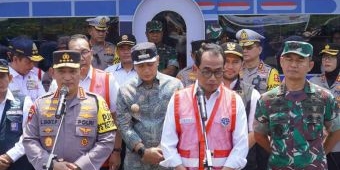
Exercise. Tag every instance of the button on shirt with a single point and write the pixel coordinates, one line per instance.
(27, 85)
(120, 74)
(18, 149)
(170, 138)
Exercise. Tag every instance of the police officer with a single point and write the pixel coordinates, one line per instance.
(168, 62)
(13, 118)
(294, 114)
(255, 71)
(141, 107)
(330, 79)
(103, 51)
(88, 127)
(124, 70)
(188, 74)
(233, 65)
(23, 56)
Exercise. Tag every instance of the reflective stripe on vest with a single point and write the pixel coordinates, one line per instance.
(97, 86)
(188, 121)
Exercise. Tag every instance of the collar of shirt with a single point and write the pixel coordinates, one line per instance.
(89, 74)
(16, 74)
(308, 88)
(233, 84)
(155, 80)
(9, 96)
(120, 67)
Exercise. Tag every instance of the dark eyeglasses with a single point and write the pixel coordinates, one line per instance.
(208, 73)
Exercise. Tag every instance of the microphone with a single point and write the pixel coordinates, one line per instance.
(62, 102)
(201, 102)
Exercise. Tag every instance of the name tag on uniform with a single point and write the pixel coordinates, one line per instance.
(186, 120)
(31, 84)
(14, 126)
(14, 112)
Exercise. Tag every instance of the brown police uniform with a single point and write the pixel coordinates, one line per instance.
(87, 133)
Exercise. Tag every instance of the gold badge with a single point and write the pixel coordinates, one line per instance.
(48, 130)
(84, 142)
(231, 46)
(48, 115)
(48, 141)
(86, 115)
(34, 49)
(85, 131)
(125, 37)
(86, 108)
(102, 22)
(244, 35)
(327, 47)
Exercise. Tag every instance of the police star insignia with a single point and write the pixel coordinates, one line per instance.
(84, 142)
(48, 141)
(48, 130)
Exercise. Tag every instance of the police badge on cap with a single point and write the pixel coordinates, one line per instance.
(66, 58)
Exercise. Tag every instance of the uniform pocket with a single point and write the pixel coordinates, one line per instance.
(279, 125)
(15, 123)
(312, 126)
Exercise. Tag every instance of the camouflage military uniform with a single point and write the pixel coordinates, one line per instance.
(103, 56)
(264, 77)
(145, 124)
(295, 123)
(187, 76)
(167, 57)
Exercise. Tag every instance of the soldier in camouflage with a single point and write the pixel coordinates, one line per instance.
(168, 62)
(141, 108)
(293, 115)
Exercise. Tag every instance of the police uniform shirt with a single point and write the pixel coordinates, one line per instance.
(27, 85)
(263, 77)
(18, 150)
(87, 133)
(187, 76)
(86, 82)
(170, 136)
(103, 55)
(120, 74)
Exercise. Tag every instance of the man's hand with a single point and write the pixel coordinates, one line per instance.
(153, 156)
(65, 166)
(180, 167)
(5, 161)
(114, 161)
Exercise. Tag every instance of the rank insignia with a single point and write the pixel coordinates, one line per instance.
(85, 131)
(48, 141)
(86, 108)
(225, 121)
(86, 115)
(48, 130)
(84, 142)
(48, 115)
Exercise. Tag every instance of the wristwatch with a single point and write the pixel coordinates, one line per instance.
(141, 151)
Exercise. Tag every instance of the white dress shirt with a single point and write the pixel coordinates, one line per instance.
(18, 149)
(255, 96)
(86, 82)
(238, 154)
(27, 85)
(120, 74)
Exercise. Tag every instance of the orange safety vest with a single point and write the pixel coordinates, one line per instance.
(221, 124)
(100, 84)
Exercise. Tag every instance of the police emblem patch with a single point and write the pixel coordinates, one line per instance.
(48, 141)
(225, 121)
(84, 142)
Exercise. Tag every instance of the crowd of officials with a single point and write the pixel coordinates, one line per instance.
(129, 105)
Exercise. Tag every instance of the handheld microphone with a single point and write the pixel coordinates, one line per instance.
(201, 102)
(62, 102)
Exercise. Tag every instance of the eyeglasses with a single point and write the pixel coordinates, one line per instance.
(329, 57)
(84, 52)
(208, 73)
